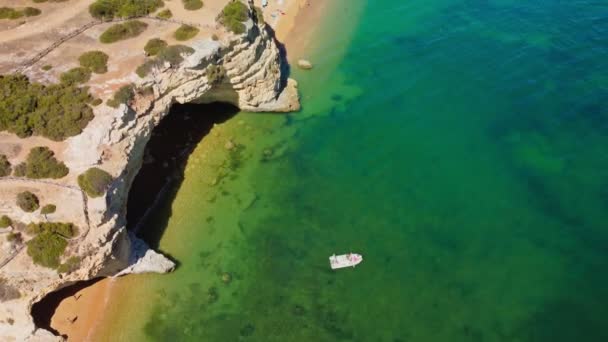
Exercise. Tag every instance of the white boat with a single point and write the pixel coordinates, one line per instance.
(345, 260)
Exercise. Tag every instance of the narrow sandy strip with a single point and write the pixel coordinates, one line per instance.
(90, 303)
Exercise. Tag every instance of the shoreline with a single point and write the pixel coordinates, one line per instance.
(90, 304)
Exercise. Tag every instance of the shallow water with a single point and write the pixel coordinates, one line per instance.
(460, 146)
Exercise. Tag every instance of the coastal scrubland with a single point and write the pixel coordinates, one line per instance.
(41, 163)
(233, 15)
(95, 61)
(122, 31)
(172, 54)
(185, 32)
(108, 9)
(55, 111)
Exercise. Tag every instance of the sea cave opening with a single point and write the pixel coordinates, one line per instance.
(165, 157)
(154, 187)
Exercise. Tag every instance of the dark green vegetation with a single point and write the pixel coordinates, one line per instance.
(41, 163)
(108, 9)
(5, 221)
(123, 95)
(233, 15)
(96, 61)
(56, 111)
(154, 46)
(69, 265)
(94, 181)
(122, 31)
(215, 73)
(185, 32)
(75, 76)
(172, 54)
(96, 102)
(27, 201)
(47, 247)
(192, 5)
(165, 14)
(12, 13)
(14, 237)
(47, 67)
(5, 166)
(8, 292)
(66, 230)
(48, 209)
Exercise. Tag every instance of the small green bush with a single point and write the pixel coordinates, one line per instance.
(144, 69)
(96, 61)
(48, 209)
(14, 237)
(64, 229)
(173, 54)
(5, 166)
(123, 95)
(165, 14)
(5, 221)
(39, 1)
(47, 67)
(10, 13)
(108, 9)
(46, 248)
(31, 11)
(96, 102)
(27, 201)
(41, 163)
(94, 182)
(215, 73)
(154, 46)
(126, 30)
(185, 32)
(192, 5)
(69, 265)
(75, 76)
(233, 15)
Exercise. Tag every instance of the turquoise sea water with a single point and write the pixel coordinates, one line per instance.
(460, 146)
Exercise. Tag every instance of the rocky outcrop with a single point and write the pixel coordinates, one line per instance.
(253, 79)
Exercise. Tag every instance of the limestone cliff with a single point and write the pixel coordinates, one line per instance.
(253, 78)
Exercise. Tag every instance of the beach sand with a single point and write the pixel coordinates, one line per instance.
(77, 315)
(295, 29)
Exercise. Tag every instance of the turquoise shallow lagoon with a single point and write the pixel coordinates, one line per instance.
(460, 146)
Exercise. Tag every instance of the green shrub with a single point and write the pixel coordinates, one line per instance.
(46, 248)
(10, 13)
(75, 76)
(126, 30)
(56, 111)
(108, 9)
(94, 182)
(19, 170)
(39, 1)
(27, 201)
(144, 69)
(47, 67)
(192, 5)
(96, 61)
(173, 54)
(14, 237)
(214, 37)
(185, 32)
(48, 209)
(41, 163)
(154, 46)
(5, 221)
(165, 14)
(233, 15)
(5, 166)
(31, 11)
(64, 229)
(69, 265)
(96, 102)
(215, 73)
(124, 95)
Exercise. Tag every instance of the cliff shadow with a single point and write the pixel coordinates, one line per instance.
(285, 66)
(156, 185)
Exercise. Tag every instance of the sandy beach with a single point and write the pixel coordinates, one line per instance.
(293, 22)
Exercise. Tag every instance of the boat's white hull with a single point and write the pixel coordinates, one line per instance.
(344, 260)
